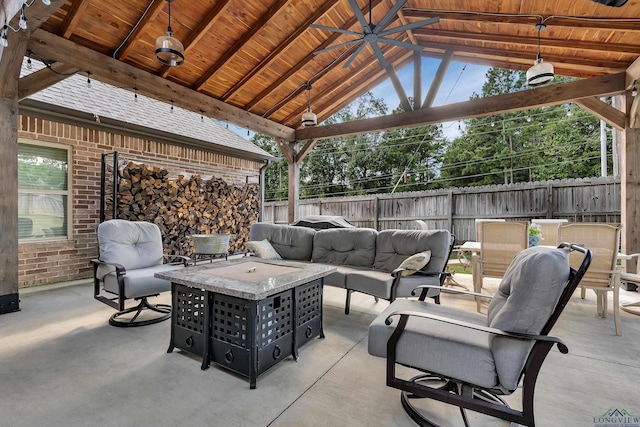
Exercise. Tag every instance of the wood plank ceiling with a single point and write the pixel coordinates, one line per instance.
(257, 55)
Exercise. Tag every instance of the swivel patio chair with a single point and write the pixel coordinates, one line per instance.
(604, 275)
(469, 360)
(130, 255)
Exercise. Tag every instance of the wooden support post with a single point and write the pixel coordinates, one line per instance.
(630, 186)
(294, 190)
(10, 65)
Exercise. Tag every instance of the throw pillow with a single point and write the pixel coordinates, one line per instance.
(415, 262)
(262, 249)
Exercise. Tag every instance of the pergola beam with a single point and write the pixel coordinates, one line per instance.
(603, 111)
(118, 73)
(535, 98)
(42, 79)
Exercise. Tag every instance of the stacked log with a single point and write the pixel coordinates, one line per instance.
(186, 205)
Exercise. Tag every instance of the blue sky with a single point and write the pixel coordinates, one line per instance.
(460, 82)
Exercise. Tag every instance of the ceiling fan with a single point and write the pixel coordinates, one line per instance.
(373, 34)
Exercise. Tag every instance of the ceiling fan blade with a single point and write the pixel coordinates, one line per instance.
(409, 26)
(390, 14)
(360, 16)
(326, 49)
(401, 44)
(352, 57)
(378, 52)
(337, 30)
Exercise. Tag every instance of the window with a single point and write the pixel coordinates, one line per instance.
(44, 208)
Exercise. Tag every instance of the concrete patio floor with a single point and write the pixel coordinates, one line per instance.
(61, 364)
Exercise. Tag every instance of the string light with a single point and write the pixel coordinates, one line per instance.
(23, 19)
(172, 106)
(29, 64)
(634, 89)
(135, 94)
(22, 23)
(89, 79)
(201, 116)
(3, 35)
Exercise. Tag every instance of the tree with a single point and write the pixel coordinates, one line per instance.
(521, 146)
(346, 165)
(276, 185)
(412, 157)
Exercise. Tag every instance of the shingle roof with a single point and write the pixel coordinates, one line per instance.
(105, 101)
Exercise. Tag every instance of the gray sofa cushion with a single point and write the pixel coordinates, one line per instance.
(394, 246)
(526, 297)
(290, 242)
(345, 246)
(339, 277)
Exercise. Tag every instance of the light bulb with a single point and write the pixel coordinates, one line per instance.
(29, 64)
(23, 19)
(46, 2)
(3, 37)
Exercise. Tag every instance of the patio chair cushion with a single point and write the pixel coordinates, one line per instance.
(141, 282)
(469, 357)
(526, 298)
(131, 244)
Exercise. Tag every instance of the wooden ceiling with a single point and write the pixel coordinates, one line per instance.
(257, 55)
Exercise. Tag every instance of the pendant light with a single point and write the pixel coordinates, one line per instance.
(308, 117)
(169, 50)
(541, 72)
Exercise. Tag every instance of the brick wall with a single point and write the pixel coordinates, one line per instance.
(58, 260)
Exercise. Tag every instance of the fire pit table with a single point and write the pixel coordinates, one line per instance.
(246, 314)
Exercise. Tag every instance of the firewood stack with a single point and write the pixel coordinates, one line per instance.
(183, 206)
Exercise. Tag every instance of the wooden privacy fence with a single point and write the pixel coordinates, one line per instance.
(578, 200)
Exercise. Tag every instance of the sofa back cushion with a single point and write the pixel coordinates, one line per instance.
(290, 242)
(345, 246)
(394, 246)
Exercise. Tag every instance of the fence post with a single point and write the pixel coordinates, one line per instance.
(450, 215)
(550, 200)
(376, 214)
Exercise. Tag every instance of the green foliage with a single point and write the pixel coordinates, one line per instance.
(554, 142)
(538, 144)
(277, 174)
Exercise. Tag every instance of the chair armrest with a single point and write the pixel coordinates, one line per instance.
(397, 272)
(185, 259)
(120, 270)
(451, 291)
(515, 335)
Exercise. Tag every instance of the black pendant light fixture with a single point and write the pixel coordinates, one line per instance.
(169, 50)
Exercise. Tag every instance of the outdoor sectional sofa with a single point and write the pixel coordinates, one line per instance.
(367, 260)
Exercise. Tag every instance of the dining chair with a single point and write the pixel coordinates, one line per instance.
(479, 221)
(604, 274)
(549, 229)
(499, 244)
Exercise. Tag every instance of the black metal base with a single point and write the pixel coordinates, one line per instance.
(9, 303)
(447, 386)
(118, 320)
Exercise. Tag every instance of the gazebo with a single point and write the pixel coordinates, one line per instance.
(262, 64)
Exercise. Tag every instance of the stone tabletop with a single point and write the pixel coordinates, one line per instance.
(248, 278)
